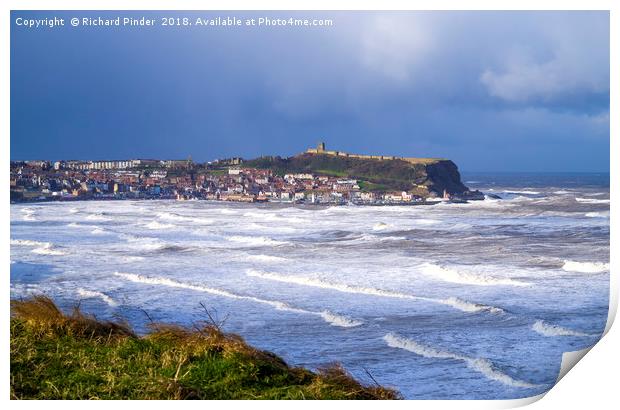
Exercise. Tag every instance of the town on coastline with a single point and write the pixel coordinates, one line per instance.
(221, 180)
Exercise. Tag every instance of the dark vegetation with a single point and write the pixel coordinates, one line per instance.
(74, 356)
(376, 175)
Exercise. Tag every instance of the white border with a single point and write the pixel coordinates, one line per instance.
(592, 384)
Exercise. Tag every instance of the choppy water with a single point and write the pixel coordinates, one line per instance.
(448, 301)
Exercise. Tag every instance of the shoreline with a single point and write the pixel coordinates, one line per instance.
(411, 203)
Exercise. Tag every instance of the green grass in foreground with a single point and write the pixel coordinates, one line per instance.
(59, 356)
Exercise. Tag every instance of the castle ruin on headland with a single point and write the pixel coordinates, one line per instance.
(320, 149)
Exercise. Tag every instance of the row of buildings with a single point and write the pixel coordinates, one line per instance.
(107, 164)
(153, 179)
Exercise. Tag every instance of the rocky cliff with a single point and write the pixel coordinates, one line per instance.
(428, 177)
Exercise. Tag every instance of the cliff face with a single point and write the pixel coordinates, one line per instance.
(427, 177)
(445, 175)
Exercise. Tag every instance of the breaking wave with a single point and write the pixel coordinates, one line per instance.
(597, 214)
(456, 303)
(481, 365)
(338, 320)
(28, 242)
(48, 250)
(97, 217)
(94, 294)
(267, 258)
(549, 330)
(132, 258)
(585, 267)
(28, 214)
(380, 226)
(454, 276)
(466, 306)
(255, 240)
(41, 248)
(523, 192)
(592, 201)
(157, 225)
(329, 317)
(98, 231)
(168, 216)
(76, 225)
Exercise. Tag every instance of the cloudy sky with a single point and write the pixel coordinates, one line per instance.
(493, 91)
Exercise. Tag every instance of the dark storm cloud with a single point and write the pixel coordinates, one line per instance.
(491, 90)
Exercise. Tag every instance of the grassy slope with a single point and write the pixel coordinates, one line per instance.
(379, 175)
(58, 356)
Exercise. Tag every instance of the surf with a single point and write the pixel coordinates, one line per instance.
(88, 294)
(466, 278)
(329, 317)
(481, 365)
(550, 330)
(453, 302)
(585, 267)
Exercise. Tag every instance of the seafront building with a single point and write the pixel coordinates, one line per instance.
(224, 180)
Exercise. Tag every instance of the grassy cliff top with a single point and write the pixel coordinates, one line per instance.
(382, 175)
(75, 356)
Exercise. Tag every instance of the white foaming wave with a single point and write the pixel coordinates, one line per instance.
(41, 248)
(133, 238)
(29, 217)
(48, 250)
(338, 320)
(585, 267)
(549, 330)
(255, 240)
(262, 228)
(28, 242)
(174, 217)
(269, 217)
(597, 214)
(380, 226)
(156, 225)
(365, 237)
(267, 258)
(329, 317)
(481, 365)
(87, 294)
(592, 201)
(132, 258)
(227, 211)
(97, 217)
(455, 303)
(28, 214)
(466, 306)
(425, 221)
(466, 278)
(488, 201)
(76, 225)
(523, 192)
(73, 210)
(144, 243)
(98, 231)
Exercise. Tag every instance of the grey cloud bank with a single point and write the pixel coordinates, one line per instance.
(490, 90)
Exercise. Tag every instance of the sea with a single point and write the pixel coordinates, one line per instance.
(449, 301)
